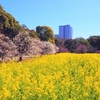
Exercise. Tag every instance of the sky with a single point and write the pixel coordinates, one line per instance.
(82, 15)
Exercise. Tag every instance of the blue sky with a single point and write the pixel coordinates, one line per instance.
(82, 15)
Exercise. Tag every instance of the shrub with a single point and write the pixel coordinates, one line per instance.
(98, 51)
(62, 49)
(81, 49)
(91, 49)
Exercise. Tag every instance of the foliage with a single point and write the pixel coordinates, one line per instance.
(34, 47)
(7, 48)
(33, 34)
(92, 44)
(71, 44)
(62, 49)
(91, 49)
(59, 42)
(82, 41)
(53, 77)
(98, 51)
(45, 33)
(25, 27)
(48, 48)
(23, 43)
(94, 41)
(81, 49)
(8, 25)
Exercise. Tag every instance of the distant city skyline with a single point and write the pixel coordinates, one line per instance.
(82, 15)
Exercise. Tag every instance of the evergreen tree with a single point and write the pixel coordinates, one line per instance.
(8, 25)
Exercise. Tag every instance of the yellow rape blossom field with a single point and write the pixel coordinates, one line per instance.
(62, 76)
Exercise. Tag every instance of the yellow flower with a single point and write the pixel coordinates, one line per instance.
(86, 94)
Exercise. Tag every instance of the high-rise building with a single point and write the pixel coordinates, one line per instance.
(65, 32)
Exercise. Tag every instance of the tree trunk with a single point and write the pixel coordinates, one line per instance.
(20, 58)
